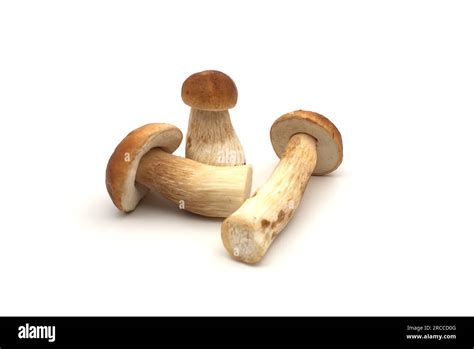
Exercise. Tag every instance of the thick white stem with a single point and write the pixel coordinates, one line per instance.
(211, 139)
(249, 232)
(211, 191)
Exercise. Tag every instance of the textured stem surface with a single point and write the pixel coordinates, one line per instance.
(211, 191)
(211, 139)
(249, 232)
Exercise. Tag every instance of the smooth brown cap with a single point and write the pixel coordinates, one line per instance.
(123, 164)
(329, 141)
(209, 90)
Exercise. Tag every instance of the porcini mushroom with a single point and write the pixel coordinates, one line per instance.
(142, 162)
(211, 139)
(307, 144)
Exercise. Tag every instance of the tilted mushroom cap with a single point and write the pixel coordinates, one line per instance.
(209, 90)
(123, 164)
(329, 141)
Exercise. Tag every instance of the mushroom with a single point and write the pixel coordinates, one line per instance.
(211, 139)
(307, 144)
(142, 162)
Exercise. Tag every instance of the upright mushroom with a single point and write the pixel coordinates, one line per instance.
(307, 144)
(211, 139)
(142, 161)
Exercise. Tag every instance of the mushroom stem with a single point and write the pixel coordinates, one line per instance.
(211, 139)
(249, 231)
(211, 191)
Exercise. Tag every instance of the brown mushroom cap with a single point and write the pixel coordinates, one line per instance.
(123, 164)
(329, 141)
(209, 90)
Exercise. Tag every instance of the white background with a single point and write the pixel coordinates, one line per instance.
(389, 233)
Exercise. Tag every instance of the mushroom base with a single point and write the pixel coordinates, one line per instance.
(211, 191)
(248, 232)
(211, 139)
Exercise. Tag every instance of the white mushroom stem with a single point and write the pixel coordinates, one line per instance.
(211, 191)
(211, 139)
(249, 232)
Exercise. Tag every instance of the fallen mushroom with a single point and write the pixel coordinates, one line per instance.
(142, 162)
(308, 144)
(211, 139)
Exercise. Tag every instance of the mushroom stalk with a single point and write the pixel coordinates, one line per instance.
(211, 139)
(249, 231)
(211, 191)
